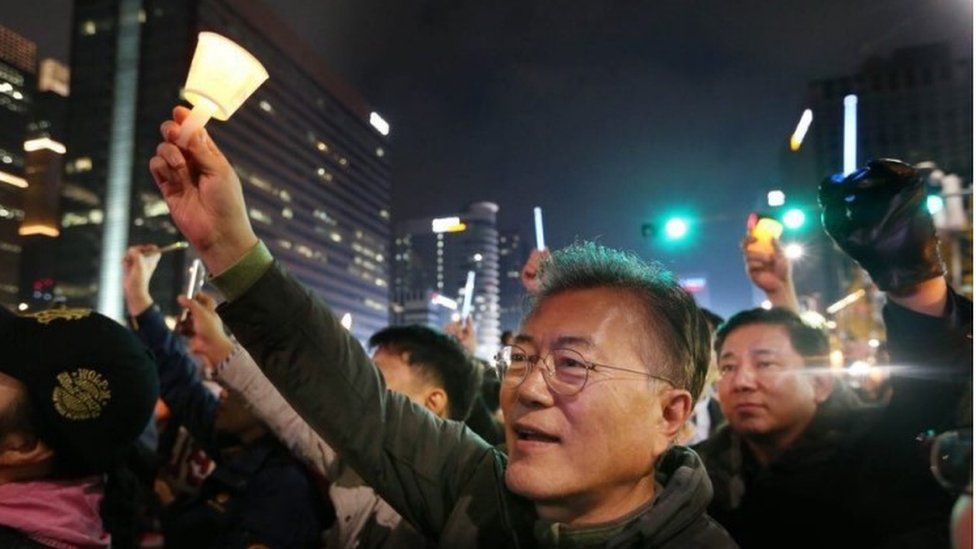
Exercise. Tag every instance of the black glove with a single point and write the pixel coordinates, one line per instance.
(878, 216)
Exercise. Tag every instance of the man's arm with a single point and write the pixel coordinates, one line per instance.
(190, 402)
(415, 461)
(240, 373)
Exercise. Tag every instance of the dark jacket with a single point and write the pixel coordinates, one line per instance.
(856, 469)
(258, 494)
(442, 478)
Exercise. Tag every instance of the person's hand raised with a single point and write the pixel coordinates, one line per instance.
(137, 269)
(203, 194)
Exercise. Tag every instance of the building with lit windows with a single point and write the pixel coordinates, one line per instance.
(18, 67)
(914, 105)
(513, 251)
(433, 257)
(311, 154)
(44, 153)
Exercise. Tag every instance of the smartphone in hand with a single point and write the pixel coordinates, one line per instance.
(198, 275)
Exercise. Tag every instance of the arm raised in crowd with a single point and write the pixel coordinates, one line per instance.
(404, 452)
(772, 273)
(877, 215)
(192, 404)
(235, 368)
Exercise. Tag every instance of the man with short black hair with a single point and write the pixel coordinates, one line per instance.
(801, 460)
(442, 371)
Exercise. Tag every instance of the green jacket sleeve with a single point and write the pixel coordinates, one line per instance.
(417, 462)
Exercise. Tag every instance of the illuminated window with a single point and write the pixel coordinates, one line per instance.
(260, 216)
(155, 207)
(83, 164)
(88, 28)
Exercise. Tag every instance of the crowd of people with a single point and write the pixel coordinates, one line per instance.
(618, 414)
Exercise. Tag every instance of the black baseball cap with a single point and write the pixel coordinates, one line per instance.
(92, 385)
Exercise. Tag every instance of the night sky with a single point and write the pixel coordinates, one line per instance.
(604, 113)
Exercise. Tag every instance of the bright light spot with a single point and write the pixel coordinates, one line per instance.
(17, 95)
(676, 228)
(793, 251)
(321, 146)
(766, 304)
(11, 179)
(377, 122)
(380, 152)
(444, 301)
(447, 225)
(813, 318)
(478, 257)
(44, 143)
(830, 324)
(346, 321)
(265, 106)
(776, 198)
(22, 307)
(850, 133)
(874, 343)
(794, 219)
(801, 130)
(836, 358)
(934, 204)
(860, 368)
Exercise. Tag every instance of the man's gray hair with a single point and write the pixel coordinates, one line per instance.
(673, 320)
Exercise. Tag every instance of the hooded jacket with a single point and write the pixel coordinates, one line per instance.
(446, 481)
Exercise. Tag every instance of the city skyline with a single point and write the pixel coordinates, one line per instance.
(644, 110)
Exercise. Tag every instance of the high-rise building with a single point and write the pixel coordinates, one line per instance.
(311, 154)
(18, 67)
(44, 157)
(512, 254)
(434, 256)
(915, 105)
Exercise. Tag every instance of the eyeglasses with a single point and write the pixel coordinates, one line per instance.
(951, 459)
(564, 370)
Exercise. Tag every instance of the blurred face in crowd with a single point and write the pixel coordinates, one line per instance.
(589, 457)
(765, 389)
(235, 418)
(400, 376)
(22, 455)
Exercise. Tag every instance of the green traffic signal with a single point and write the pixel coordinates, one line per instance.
(676, 228)
(794, 219)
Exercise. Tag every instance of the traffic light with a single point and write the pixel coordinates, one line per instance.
(675, 228)
(794, 219)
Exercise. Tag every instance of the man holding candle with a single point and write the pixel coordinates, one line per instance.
(605, 373)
